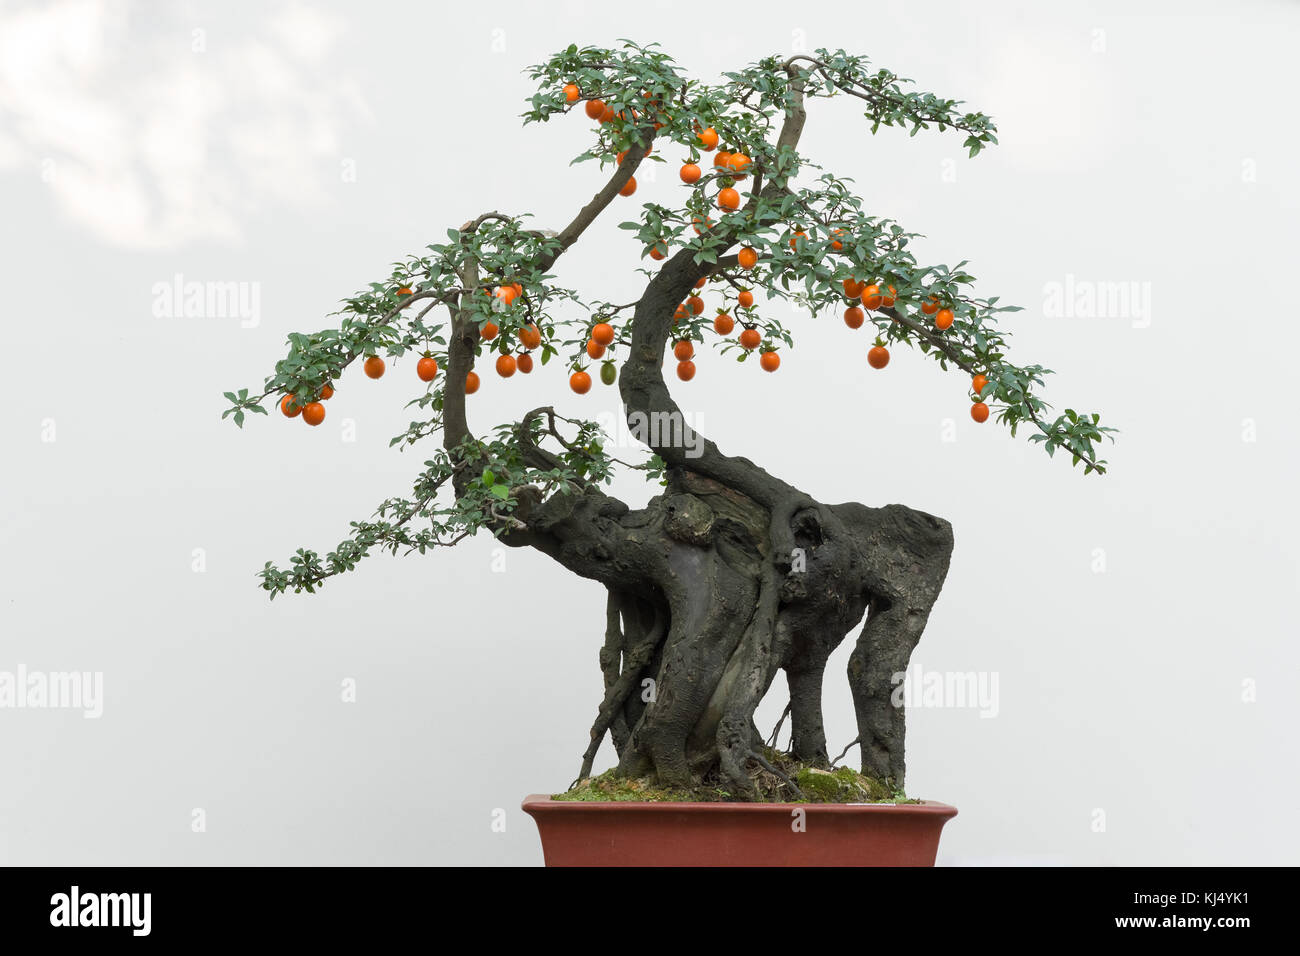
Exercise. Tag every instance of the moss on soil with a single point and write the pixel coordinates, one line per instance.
(841, 785)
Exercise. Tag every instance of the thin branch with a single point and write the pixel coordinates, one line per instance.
(771, 741)
(844, 752)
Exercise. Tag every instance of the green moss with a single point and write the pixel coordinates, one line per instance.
(610, 787)
(841, 785)
(820, 784)
(847, 775)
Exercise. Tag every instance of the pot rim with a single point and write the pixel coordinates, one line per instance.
(543, 803)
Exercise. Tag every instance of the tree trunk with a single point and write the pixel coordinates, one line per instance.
(728, 577)
(703, 615)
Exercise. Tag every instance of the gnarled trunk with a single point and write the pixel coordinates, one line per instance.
(728, 577)
(703, 614)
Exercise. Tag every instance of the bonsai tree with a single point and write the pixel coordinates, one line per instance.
(729, 575)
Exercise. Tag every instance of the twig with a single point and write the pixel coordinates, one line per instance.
(844, 752)
(771, 741)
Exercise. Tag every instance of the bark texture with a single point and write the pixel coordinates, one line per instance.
(728, 577)
(704, 611)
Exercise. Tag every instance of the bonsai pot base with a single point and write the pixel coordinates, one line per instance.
(577, 833)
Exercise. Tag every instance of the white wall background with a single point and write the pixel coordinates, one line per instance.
(1148, 143)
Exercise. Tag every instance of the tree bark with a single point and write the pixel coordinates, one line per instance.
(732, 575)
(703, 615)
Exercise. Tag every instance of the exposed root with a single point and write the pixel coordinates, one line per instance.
(635, 659)
(762, 762)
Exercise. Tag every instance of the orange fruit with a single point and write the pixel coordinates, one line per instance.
(745, 299)
(686, 370)
(695, 304)
(529, 337)
(680, 314)
(506, 293)
(374, 366)
(944, 319)
(289, 408)
(519, 290)
(750, 339)
(729, 199)
(770, 361)
(404, 290)
(571, 93)
(657, 253)
(978, 383)
(878, 356)
(854, 317)
(980, 412)
(506, 365)
(930, 306)
(853, 288)
(699, 283)
(871, 297)
(525, 362)
(595, 109)
(835, 243)
(709, 139)
(739, 163)
(628, 188)
(595, 349)
(706, 223)
(603, 333)
(471, 383)
(690, 174)
(684, 350)
(489, 331)
(720, 161)
(426, 368)
(747, 257)
(313, 413)
(887, 301)
(580, 382)
(326, 392)
(723, 324)
(794, 240)
(607, 114)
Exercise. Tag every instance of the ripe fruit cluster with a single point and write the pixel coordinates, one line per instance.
(750, 339)
(313, 413)
(870, 297)
(529, 338)
(601, 338)
(730, 167)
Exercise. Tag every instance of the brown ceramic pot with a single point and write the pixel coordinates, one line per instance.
(737, 834)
